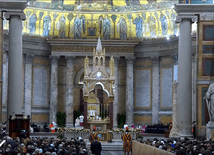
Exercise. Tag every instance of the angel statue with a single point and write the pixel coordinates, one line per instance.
(209, 97)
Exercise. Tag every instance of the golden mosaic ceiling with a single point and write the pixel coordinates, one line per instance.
(109, 19)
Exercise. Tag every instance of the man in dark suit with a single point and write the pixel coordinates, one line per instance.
(96, 147)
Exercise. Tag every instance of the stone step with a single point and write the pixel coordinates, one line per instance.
(110, 146)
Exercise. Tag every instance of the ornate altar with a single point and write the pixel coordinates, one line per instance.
(98, 75)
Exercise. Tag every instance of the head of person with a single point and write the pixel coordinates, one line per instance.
(94, 129)
(127, 129)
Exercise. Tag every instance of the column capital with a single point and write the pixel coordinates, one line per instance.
(175, 59)
(29, 58)
(130, 60)
(70, 59)
(21, 14)
(155, 61)
(193, 58)
(116, 60)
(54, 59)
(5, 56)
(192, 18)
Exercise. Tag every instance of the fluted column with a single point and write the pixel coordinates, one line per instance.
(129, 90)
(15, 97)
(116, 102)
(1, 63)
(70, 91)
(184, 107)
(174, 132)
(194, 88)
(54, 89)
(155, 89)
(5, 77)
(28, 84)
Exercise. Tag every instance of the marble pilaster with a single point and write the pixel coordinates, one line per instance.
(155, 89)
(5, 78)
(174, 132)
(194, 94)
(1, 63)
(116, 102)
(54, 89)
(184, 107)
(70, 91)
(129, 90)
(15, 62)
(28, 84)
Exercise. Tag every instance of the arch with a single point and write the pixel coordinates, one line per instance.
(78, 76)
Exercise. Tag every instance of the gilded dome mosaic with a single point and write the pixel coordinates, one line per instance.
(107, 19)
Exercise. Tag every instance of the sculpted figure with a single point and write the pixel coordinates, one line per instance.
(209, 97)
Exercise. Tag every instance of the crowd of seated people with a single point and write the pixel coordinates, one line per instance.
(42, 146)
(183, 147)
(157, 128)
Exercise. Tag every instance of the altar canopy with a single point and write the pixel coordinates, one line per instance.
(98, 75)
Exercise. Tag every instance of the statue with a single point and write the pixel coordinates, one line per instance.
(164, 24)
(122, 28)
(79, 27)
(32, 23)
(106, 28)
(139, 26)
(61, 26)
(209, 97)
(46, 26)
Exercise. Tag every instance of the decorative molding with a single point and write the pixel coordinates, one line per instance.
(207, 16)
(70, 59)
(130, 60)
(155, 61)
(192, 18)
(175, 59)
(29, 58)
(62, 48)
(21, 14)
(54, 59)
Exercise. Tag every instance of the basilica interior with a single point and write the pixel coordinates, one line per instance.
(139, 44)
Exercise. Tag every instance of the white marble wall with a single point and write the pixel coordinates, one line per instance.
(143, 94)
(40, 86)
(166, 88)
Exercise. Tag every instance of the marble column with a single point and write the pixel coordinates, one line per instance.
(184, 107)
(129, 90)
(54, 89)
(194, 88)
(116, 102)
(155, 89)
(5, 79)
(70, 91)
(174, 132)
(1, 62)
(15, 87)
(175, 68)
(28, 84)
